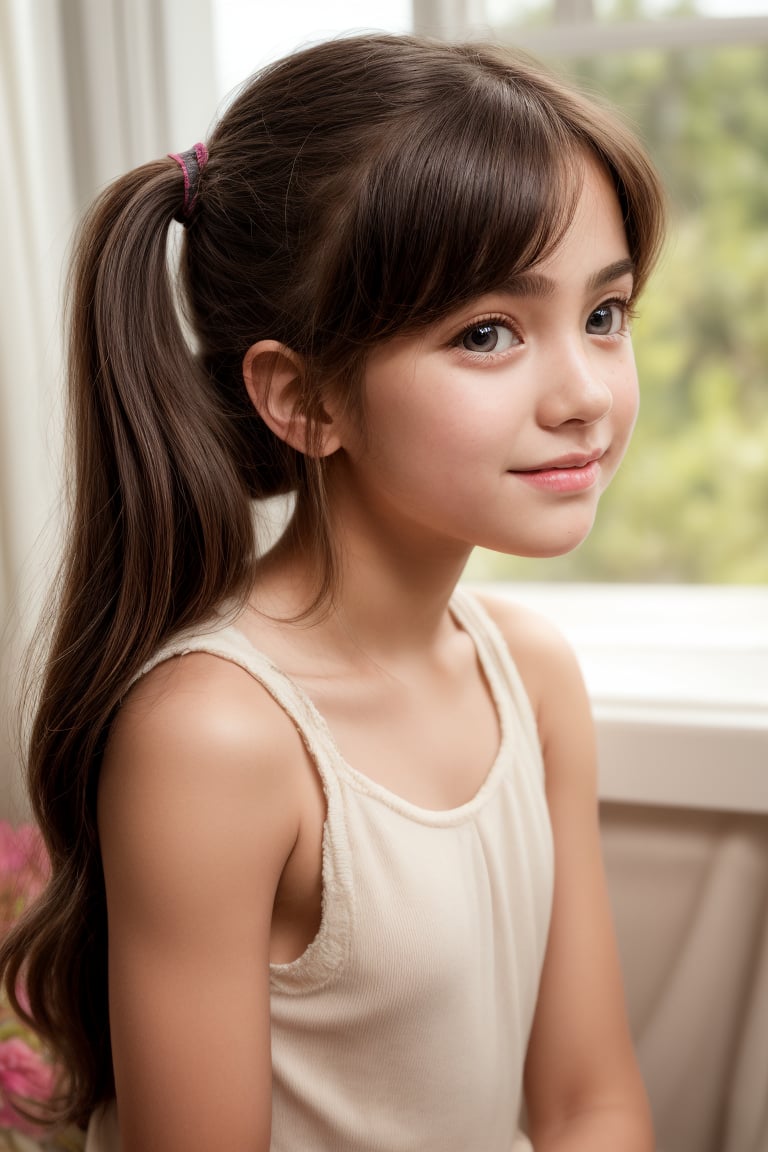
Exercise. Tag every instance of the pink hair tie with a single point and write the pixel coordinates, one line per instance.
(191, 163)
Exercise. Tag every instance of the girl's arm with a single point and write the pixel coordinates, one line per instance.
(197, 820)
(583, 1088)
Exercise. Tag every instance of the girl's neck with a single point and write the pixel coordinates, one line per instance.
(391, 596)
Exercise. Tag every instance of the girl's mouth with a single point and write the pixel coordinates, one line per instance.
(568, 478)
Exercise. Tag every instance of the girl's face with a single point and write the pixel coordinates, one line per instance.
(502, 425)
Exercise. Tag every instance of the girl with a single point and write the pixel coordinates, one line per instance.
(323, 828)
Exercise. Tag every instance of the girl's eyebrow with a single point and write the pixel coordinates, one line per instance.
(611, 272)
(536, 285)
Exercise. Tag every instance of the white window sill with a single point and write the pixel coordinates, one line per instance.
(678, 677)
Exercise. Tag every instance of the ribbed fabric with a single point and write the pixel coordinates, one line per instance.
(404, 1025)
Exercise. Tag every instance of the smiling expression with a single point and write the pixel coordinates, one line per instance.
(502, 424)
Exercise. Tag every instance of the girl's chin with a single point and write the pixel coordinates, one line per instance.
(548, 553)
(548, 546)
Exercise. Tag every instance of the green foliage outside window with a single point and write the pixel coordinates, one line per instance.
(690, 503)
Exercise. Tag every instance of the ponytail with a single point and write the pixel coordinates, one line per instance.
(160, 532)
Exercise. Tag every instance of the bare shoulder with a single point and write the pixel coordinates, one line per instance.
(199, 696)
(201, 751)
(199, 701)
(552, 677)
(543, 656)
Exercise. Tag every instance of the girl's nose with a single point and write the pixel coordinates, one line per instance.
(574, 391)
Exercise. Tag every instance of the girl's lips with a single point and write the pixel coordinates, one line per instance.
(573, 478)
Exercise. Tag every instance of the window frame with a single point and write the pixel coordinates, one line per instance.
(678, 680)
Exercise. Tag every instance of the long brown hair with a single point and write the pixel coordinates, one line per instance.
(355, 190)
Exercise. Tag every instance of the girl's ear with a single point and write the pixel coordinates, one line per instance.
(272, 375)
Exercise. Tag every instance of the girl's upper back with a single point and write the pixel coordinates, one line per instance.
(405, 1021)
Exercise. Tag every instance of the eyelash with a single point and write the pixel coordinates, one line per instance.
(484, 322)
(625, 303)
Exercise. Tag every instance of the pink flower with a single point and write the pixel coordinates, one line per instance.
(24, 869)
(25, 1075)
(22, 851)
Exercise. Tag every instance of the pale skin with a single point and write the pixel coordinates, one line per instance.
(210, 811)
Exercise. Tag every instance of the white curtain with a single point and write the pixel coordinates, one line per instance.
(690, 895)
(88, 89)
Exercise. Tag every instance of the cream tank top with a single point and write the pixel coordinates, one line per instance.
(404, 1025)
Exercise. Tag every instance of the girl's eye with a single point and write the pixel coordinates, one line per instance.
(490, 336)
(608, 319)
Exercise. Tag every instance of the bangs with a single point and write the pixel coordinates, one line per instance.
(433, 175)
(453, 208)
